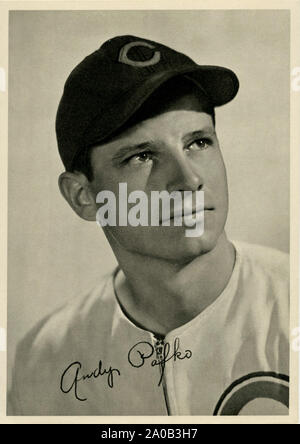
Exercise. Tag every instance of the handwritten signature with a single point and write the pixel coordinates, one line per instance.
(137, 356)
(144, 350)
(71, 377)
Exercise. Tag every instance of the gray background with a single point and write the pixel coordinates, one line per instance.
(52, 254)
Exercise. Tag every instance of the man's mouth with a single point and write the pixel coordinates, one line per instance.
(180, 214)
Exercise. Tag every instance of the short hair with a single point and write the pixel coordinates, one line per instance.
(174, 88)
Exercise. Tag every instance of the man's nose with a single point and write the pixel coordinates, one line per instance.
(183, 175)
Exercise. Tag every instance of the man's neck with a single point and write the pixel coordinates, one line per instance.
(160, 297)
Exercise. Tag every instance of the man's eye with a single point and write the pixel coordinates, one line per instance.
(139, 158)
(200, 144)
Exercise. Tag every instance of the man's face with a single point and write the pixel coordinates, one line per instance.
(176, 150)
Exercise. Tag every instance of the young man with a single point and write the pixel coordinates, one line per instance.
(185, 325)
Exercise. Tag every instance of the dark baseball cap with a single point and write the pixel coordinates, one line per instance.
(109, 86)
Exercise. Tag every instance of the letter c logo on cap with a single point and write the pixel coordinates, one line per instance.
(123, 57)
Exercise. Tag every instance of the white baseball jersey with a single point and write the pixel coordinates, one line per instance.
(88, 358)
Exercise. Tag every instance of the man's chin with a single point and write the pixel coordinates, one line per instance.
(195, 247)
(171, 245)
(185, 250)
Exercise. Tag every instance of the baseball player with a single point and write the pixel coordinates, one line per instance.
(184, 325)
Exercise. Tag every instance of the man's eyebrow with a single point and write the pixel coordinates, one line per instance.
(133, 148)
(127, 149)
(206, 131)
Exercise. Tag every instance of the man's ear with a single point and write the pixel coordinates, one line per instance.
(76, 190)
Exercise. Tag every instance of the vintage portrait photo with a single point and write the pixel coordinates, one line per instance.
(149, 213)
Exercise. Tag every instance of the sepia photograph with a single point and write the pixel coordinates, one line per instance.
(148, 266)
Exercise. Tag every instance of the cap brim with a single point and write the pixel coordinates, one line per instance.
(220, 84)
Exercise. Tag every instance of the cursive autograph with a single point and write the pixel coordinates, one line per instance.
(143, 350)
(71, 377)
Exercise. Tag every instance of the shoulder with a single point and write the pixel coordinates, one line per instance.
(262, 260)
(69, 333)
(61, 328)
(264, 287)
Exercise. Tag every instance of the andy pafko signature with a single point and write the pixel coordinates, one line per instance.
(142, 351)
(72, 376)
